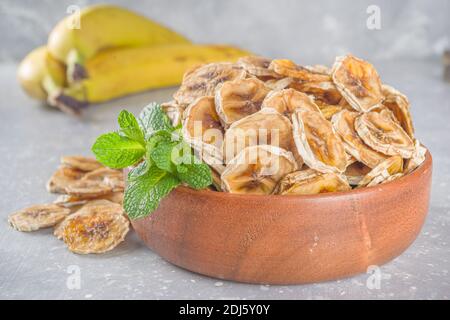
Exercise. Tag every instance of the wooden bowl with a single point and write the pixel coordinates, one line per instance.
(288, 239)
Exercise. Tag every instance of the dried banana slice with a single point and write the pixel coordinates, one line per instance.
(286, 101)
(384, 170)
(358, 82)
(110, 177)
(329, 111)
(380, 131)
(355, 172)
(174, 111)
(288, 68)
(59, 228)
(257, 66)
(324, 93)
(95, 229)
(278, 84)
(417, 158)
(257, 170)
(266, 126)
(311, 182)
(317, 142)
(344, 124)
(319, 68)
(203, 80)
(239, 98)
(381, 179)
(399, 105)
(201, 125)
(81, 163)
(63, 177)
(37, 217)
(88, 189)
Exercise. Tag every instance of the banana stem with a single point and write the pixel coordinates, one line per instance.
(75, 67)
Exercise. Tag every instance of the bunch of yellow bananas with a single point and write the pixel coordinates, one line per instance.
(109, 52)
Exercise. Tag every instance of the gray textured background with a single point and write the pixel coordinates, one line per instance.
(309, 31)
(32, 138)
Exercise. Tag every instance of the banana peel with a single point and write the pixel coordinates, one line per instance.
(118, 72)
(82, 35)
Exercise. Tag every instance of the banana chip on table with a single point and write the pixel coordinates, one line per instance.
(267, 127)
(239, 98)
(399, 105)
(343, 123)
(257, 170)
(383, 171)
(310, 181)
(317, 142)
(81, 163)
(95, 229)
(381, 131)
(358, 82)
(88, 189)
(63, 177)
(355, 172)
(37, 217)
(288, 68)
(111, 177)
(286, 101)
(203, 80)
(257, 66)
(202, 127)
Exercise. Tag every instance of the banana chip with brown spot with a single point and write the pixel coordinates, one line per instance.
(384, 170)
(399, 105)
(257, 66)
(95, 229)
(37, 217)
(380, 131)
(202, 127)
(81, 163)
(257, 170)
(288, 68)
(311, 182)
(344, 124)
(267, 127)
(324, 93)
(203, 80)
(355, 172)
(63, 177)
(286, 101)
(358, 82)
(317, 142)
(239, 98)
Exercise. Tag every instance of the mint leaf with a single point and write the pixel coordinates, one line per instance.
(130, 127)
(116, 151)
(161, 156)
(152, 119)
(197, 176)
(143, 194)
(138, 171)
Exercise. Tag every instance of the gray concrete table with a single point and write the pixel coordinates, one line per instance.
(38, 266)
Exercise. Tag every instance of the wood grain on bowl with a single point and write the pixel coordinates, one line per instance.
(288, 239)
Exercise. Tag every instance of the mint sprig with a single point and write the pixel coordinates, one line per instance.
(160, 158)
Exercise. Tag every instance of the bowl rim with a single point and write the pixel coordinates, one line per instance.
(406, 179)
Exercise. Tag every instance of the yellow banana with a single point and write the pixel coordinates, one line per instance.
(80, 36)
(118, 72)
(38, 71)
